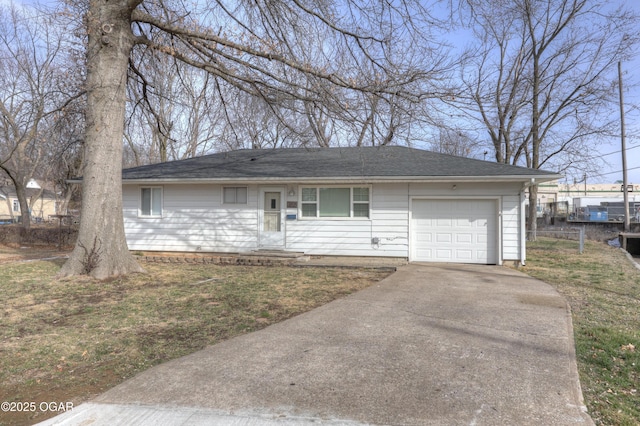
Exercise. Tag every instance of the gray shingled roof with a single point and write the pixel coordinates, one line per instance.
(392, 162)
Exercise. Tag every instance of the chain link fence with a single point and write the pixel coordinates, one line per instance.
(576, 234)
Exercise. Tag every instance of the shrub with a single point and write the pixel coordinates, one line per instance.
(38, 235)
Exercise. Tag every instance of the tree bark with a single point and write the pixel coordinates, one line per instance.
(19, 185)
(101, 249)
(24, 206)
(19, 173)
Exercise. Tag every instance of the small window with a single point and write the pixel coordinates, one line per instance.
(151, 202)
(234, 195)
(16, 206)
(309, 202)
(360, 202)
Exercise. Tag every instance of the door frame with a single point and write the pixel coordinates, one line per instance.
(263, 242)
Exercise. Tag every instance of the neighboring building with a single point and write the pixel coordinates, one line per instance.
(375, 201)
(42, 201)
(575, 198)
(567, 192)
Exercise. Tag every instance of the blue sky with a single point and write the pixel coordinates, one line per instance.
(631, 83)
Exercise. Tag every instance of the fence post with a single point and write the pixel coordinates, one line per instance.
(581, 250)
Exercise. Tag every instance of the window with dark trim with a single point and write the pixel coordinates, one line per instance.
(234, 195)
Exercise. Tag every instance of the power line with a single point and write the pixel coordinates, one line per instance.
(612, 173)
(619, 151)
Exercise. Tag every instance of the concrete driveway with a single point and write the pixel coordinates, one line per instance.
(429, 345)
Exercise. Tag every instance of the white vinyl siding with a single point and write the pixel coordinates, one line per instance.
(386, 204)
(510, 227)
(195, 218)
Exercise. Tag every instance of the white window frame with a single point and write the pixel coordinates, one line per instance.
(317, 203)
(16, 206)
(236, 187)
(151, 215)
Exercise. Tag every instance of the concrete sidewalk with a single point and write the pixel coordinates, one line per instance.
(429, 345)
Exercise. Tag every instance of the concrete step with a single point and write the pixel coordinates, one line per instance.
(273, 253)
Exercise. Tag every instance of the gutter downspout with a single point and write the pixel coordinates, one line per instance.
(523, 221)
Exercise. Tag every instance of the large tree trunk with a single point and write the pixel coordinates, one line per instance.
(19, 184)
(101, 249)
(24, 206)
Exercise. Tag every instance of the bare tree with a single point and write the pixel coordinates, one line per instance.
(455, 142)
(275, 51)
(248, 122)
(33, 86)
(64, 158)
(540, 81)
(174, 114)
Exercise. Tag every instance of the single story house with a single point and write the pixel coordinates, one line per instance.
(42, 201)
(361, 201)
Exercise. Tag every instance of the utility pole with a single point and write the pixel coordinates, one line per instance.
(624, 154)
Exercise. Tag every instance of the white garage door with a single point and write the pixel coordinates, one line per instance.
(459, 231)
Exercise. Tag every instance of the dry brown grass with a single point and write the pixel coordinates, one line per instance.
(66, 341)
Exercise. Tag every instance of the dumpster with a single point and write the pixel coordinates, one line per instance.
(598, 214)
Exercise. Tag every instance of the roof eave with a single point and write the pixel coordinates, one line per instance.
(529, 179)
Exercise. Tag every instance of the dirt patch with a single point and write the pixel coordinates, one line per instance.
(18, 253)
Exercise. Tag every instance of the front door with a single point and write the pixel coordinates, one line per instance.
(272, 218)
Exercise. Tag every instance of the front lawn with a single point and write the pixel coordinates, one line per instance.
(603, 289)
(67, 341)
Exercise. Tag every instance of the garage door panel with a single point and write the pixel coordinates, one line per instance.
(443, 222)
(444, 255)
(422, 216)
(444, 238)
(454, 231)
(425, 236)
(425, 254)
(464, 238)
(464, 254)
